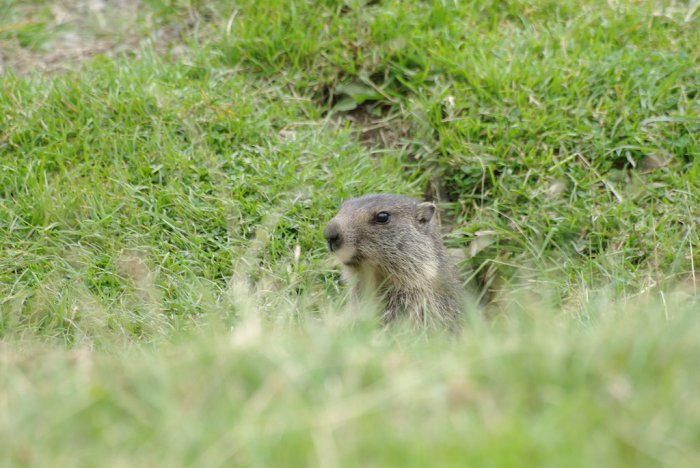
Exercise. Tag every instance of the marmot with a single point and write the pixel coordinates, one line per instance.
(390, 246)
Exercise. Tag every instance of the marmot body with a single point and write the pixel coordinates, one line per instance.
(390, 245)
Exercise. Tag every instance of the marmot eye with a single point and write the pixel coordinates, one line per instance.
(381, 218)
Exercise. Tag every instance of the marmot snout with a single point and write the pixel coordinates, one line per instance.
(390, 246)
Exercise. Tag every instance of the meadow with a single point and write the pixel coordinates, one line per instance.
(166, 170)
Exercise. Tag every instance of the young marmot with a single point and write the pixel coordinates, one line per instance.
(390, 246)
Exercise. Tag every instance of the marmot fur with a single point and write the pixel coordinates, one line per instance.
(390, 247)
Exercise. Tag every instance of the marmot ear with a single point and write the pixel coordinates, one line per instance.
(425, 212)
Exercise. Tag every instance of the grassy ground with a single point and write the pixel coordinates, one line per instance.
(165, 172)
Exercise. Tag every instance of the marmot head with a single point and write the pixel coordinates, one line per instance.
(392, 232)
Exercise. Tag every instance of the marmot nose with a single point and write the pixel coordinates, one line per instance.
(333, 236)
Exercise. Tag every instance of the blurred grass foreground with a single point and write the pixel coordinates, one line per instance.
(166, 168)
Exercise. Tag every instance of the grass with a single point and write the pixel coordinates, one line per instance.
(166, 169)
(620, 392)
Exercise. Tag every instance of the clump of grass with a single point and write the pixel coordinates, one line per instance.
(571, 142)
(92, 176)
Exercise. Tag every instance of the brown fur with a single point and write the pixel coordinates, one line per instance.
(402, 261)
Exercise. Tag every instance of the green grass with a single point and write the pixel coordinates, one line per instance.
(166, 169)
(621, 392)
